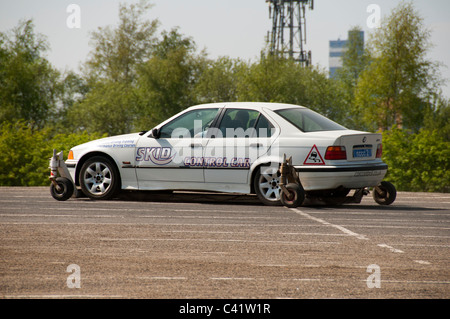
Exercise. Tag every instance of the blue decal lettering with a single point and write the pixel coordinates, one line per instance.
(157, 155)
(236, 162)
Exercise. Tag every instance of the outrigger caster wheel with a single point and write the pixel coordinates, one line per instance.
(296, 195)
(385, 193)
(62, 189)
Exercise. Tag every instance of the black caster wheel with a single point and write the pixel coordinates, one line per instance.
(296, 196)
(385, 193)
(65, 190)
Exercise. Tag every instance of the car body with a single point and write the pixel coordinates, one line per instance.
(206, 148)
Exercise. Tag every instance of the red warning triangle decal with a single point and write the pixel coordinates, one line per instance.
(314, 157)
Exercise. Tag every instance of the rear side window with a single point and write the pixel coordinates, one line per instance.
(263, 127)
(309, 121)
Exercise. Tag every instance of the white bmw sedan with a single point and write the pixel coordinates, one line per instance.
(238, 148)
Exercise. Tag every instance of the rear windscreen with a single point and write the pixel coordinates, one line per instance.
(309, 121)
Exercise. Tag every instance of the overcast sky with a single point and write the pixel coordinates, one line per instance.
(235, 28)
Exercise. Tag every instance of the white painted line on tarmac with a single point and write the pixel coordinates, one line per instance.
(133, 216)
(211, 232)
(61, 296)
(419, 282)
(419, 236)
(422, 245)
(386, 220)
(400, 227)
(314, 234)
(323, 222)
(309, 279)
(161, 278)
(356, 235)
(217, 211)
(226, 240)
(59, 215)
(394, 250)
(152, 224)
(232, 278)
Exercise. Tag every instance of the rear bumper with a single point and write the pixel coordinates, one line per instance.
(332, 177)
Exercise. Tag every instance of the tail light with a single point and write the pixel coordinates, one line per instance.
(379, 150)
(336, 153)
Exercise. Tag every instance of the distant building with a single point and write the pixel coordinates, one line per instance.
(337, 49)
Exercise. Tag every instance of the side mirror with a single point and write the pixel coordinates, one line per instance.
(156, 133)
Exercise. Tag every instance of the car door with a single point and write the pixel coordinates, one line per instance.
(243, 135)
(162, 158)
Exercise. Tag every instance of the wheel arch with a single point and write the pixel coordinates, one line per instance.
(254, 171)
(89, 155)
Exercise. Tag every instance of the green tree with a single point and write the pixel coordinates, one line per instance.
(395, 89)
(354, 61)
(417, 161)
(107, 108)
(219, 80)
(109, 103)
(276, 79)
(28, 83)
(117, 52)
(439, 117)
(167, 80)
(73, 88)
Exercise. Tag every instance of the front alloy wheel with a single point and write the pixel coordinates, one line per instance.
(99, 178)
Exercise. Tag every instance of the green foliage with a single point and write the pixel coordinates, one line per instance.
(166, 81)
(276, 79)
(397, 85)
(25, 152)
(219, 80)
(134, 78)
(28, 83)
(117, 52)
(417, 161)
(354, 61)
(106, 108)
(439, 118)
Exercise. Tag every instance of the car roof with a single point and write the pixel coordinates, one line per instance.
(249, 105)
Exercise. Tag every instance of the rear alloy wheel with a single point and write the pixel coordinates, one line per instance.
(99, 178)
(267, 185)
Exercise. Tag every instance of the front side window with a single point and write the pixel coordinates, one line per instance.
(309, 121)
(189, 124)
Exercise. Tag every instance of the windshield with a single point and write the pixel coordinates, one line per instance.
(309, 121)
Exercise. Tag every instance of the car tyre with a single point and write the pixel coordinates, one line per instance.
(385, 193)
(266, 184)
(99, 178)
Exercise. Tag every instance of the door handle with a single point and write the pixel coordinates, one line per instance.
(196, 145)
(256, 145)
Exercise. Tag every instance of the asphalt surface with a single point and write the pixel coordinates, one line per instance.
(184, 245)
